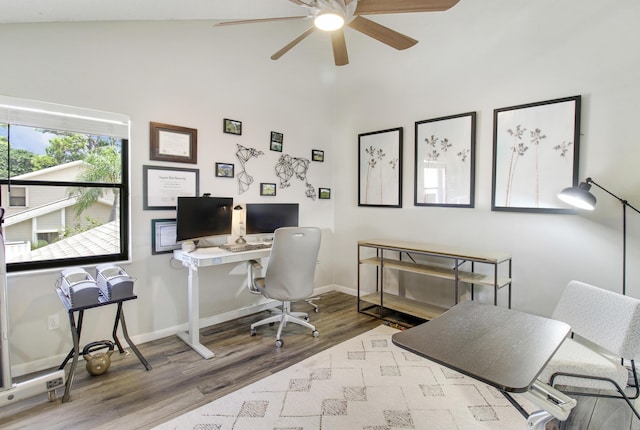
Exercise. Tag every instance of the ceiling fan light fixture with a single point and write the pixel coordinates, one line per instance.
(329, 21)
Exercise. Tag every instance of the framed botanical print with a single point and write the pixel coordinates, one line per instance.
(535, 155)
(380, 168)
(445, 161)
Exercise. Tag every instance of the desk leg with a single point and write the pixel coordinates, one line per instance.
(75, 335)
(192, 336)
(134, 348)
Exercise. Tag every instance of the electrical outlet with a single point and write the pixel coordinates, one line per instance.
(53, 322)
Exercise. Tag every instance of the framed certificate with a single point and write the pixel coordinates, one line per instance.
(163, 185)
(173, 143)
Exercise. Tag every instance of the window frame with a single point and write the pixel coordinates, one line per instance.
(83, 121)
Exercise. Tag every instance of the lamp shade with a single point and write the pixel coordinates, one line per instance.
(328, 21)
(579, 196)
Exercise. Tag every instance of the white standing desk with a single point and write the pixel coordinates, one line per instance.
(203, 257)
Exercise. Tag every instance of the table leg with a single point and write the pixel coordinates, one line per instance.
(192, 336)
(134, 348)
(75, 335)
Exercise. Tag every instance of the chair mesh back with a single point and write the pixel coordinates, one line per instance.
(608, 319)
(292, 263)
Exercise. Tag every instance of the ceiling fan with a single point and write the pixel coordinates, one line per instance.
(333, 15)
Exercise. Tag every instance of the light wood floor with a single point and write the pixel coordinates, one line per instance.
(128, 397)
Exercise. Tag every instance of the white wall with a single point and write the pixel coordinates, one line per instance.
(187, 74)
(480, 56)
(476, 57)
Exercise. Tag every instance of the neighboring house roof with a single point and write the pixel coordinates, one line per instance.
(101, 240)
(57, 170)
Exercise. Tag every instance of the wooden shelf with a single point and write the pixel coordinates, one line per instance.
(438, 272)
(422, 310)
(434, 261)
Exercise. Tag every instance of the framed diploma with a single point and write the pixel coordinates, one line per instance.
(173, 143)
(163, 185)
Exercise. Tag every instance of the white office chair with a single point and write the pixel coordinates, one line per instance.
(289, 276)
(605, 334)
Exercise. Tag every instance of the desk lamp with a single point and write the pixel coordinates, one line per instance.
(240, 239)
(582, 198)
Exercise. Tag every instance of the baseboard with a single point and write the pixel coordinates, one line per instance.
(54, 362)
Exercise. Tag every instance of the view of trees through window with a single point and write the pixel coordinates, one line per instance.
(64, 194)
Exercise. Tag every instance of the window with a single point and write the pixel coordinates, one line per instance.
(64, 185)
(17, 197)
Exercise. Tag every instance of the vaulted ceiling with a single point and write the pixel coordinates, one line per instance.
(23, 11)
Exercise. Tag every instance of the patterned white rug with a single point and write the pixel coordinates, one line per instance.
(365, 383)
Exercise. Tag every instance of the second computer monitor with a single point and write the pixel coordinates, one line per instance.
(264, 218)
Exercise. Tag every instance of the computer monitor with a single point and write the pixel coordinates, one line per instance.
(267, 217)
(200, 217)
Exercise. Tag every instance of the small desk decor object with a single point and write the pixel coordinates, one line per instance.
(173, 143)
(380, 168)
(163, 185)
(276, 141)
(501, 347)
(445, 161)
(535, 154)
(232, 126)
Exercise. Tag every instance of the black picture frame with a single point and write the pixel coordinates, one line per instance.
(173, 143)
(380, 168)
(317, 155)
(276, 141)
(268, 189)
(324, 193)
(162, 185)
(225, 170)
(444, 173)
(232, 126)
(536, 150)
(163, 236)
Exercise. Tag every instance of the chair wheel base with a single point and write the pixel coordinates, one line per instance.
(315, 333)
(279, 343)
(253, 332)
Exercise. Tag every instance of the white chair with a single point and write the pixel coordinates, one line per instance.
(605, 335)
(289, 276)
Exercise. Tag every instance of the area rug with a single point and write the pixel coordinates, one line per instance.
(365, 383)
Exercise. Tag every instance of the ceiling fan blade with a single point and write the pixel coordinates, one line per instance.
(291, 44)
(299, 2)
(369, 7)
(382, 33)
(339, 45)
(253, 21)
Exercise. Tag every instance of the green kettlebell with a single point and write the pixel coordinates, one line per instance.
(99, 363)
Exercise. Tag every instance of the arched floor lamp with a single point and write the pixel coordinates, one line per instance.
(582, 198)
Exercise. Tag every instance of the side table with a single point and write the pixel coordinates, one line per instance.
(77, 329)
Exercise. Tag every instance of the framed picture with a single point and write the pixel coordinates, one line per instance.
(232, 126)
(267, 189)
(276, 141)
(324, 193)
(445, 161)
(173, 143)
(317, 155)
(163, 236)
(163, 185)
(224, 170)
(535, 155)
(380, 168)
